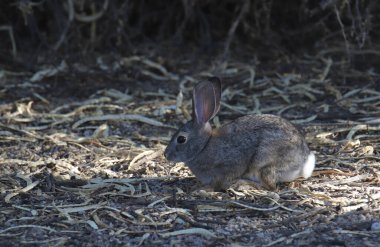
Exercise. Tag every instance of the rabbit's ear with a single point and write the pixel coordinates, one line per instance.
(217, 85)
(204, 102)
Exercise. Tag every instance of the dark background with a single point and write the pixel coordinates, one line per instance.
(265, 30)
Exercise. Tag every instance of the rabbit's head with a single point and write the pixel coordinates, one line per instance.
(191, 138)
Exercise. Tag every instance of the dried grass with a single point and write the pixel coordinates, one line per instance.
(68, 169)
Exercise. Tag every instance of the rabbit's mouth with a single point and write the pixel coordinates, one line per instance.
(173, 157)
(169, 156)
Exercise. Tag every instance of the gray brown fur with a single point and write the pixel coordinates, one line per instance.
(264, 148)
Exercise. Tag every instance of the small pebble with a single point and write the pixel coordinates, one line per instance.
(304, 223)
(361, 217)
(375, 226)
(180, 221)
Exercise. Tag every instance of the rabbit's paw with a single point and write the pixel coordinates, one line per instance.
(246, 184)
(198, 188)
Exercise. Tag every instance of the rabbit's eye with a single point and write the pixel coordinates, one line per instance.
(181, 139)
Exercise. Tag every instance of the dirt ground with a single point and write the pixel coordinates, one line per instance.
(81, 159)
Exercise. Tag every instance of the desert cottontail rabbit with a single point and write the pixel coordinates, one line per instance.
(264, 148)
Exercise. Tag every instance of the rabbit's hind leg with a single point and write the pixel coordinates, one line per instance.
(268, 177)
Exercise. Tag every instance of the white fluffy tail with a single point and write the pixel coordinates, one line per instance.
(308, 166)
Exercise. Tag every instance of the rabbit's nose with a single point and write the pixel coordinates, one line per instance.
(167, 154)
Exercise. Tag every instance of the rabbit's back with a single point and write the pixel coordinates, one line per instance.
(268, 137)
(258, 130)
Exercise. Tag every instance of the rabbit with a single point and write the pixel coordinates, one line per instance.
(265, 149)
